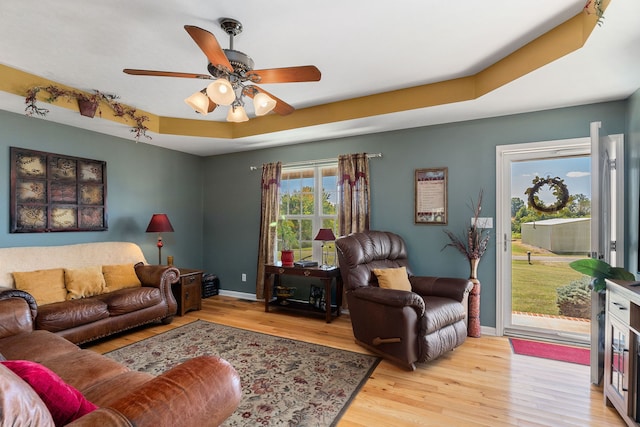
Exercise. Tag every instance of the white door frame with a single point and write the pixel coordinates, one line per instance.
(505, 154)
(607, 224)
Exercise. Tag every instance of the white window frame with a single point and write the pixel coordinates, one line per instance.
(318, 217)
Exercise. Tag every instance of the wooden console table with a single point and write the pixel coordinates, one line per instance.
(326, 277)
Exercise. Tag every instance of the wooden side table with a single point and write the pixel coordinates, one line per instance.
(325, 276)
(188, 290)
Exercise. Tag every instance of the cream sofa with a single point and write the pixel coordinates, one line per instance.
(82, 313)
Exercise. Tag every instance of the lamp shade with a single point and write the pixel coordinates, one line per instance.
(221, 92)
(237, 114)
(199, 102)
(325, 234)
(263, 103)
(159, 224)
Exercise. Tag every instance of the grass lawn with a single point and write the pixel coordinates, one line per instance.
(518, 248)
(534, 286)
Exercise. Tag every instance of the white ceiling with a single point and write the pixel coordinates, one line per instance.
(361, 48)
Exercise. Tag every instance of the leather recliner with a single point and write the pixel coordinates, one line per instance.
(403, 326)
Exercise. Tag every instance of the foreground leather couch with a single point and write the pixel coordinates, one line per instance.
(91, 314)
(202, 391)
(418, 323)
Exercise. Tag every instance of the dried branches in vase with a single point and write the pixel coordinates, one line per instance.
(472, 243)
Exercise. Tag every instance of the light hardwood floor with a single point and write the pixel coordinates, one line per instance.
(481, 383)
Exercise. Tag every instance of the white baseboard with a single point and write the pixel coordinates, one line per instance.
(239, 295)
(488, 330)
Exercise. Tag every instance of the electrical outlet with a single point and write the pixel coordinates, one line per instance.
(244, 277)
(484, 222)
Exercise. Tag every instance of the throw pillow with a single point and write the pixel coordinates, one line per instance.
(120, 276)
(393, 278)
(65, 403)
(84, 282)
(21, 405)
(46, 286)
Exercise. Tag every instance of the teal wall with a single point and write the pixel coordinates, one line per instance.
(467, 149)
(214, 202)
(141, 180)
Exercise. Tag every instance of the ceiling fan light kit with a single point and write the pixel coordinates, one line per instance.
(237, 114)
(199, 101)
(263, 103)
(230, 71)
(221, 92)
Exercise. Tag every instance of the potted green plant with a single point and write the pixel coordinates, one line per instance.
(288, 237)
(599, 271)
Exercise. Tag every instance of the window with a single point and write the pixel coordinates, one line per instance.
(308, 202)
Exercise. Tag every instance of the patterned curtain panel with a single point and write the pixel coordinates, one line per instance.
(270, 185)
(353, 193)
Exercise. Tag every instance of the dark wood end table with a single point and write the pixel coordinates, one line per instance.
(188, 290)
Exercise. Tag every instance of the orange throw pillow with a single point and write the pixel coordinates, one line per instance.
(84, 282)
(46, 286)
(120, 276)
(393, 278)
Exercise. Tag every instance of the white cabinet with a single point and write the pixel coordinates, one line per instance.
(621, 349)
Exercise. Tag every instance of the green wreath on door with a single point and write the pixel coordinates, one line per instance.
(558, 189)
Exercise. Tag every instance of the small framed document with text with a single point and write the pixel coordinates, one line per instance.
(431, 196)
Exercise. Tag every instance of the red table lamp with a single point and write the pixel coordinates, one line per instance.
(326, 235)
(159, 224)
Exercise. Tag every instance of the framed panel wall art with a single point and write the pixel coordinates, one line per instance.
(54, 192)
(431, 196)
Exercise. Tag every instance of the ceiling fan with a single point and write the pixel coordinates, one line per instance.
(234, 77)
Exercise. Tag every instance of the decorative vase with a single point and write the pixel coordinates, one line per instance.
(473, 321)
(87, 107)
(286, 257)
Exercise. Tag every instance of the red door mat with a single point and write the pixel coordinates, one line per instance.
(564, 353)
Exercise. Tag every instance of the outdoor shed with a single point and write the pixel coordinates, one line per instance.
(560, 235)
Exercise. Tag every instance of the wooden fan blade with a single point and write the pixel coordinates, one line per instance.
(281, 107)
(166, 74)
(305, 73)
(210, 46)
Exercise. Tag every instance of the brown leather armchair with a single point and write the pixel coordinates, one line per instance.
(402, 326)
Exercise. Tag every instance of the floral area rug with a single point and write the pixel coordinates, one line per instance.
(285, 382)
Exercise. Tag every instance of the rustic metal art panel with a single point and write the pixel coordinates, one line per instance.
(53, 192)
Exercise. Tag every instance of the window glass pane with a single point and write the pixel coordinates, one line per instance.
(307, 194)
(307, 201)
(329, 190)
(330, 223)
(297, 192)
(287, 233)
(307, 229)
(306, 240)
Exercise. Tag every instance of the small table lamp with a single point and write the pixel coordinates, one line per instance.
(326, 235)
(159, 224)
